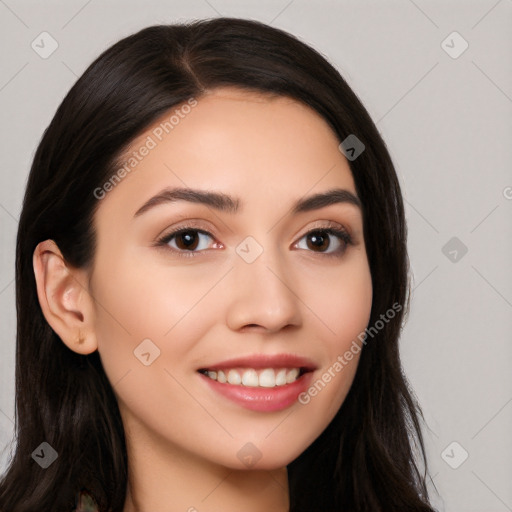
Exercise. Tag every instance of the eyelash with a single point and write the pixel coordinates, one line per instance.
(330, 229)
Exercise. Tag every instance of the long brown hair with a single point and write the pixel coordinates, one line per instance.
(371, 456)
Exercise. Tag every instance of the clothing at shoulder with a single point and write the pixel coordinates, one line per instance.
(86, 503)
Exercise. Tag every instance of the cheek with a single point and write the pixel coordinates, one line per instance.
(343, 311)
(136, 303)
(148, 325)
(142, 293)
(341, 301)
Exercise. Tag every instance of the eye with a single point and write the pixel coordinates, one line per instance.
(319, 240)
(187, 241)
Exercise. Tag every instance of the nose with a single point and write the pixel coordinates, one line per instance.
(262, 294)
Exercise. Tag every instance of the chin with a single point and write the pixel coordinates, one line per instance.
(270, 457)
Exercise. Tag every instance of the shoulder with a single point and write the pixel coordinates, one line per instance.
(85, 503)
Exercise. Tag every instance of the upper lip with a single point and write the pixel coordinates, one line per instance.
(259, 361)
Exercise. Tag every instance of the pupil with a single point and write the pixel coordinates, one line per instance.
(319, 241)
(188, 236)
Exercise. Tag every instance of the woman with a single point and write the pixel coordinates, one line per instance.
(211, 281)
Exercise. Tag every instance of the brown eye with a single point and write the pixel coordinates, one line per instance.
(186, 240)
(321, 241)
(318, 240)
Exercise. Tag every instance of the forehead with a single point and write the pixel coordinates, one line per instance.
(252, 144)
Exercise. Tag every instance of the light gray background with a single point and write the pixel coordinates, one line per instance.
(447, 123)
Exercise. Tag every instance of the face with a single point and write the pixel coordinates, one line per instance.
(260, 287)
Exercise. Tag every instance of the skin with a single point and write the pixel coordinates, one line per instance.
(182, 437)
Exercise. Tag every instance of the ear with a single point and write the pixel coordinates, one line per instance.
(64, 298)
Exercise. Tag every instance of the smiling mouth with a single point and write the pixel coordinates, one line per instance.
(252, 377)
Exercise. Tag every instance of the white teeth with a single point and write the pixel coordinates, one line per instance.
(234, 377)
(267, 378)
(292, 375)
(250, 378)
(281, 377)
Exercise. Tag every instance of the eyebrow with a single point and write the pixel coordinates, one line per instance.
(225, 203)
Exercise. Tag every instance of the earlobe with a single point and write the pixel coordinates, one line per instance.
(64, 298)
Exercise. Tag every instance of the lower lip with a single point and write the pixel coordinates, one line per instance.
(262, 399)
